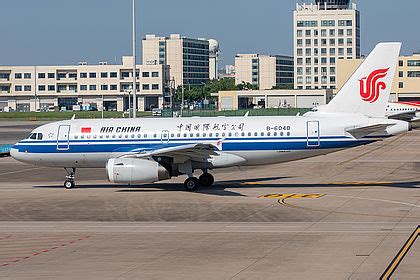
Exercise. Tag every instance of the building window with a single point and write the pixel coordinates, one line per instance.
(299, 52)
(41, 75)
(340, 32)
(299, 61)
(300, 80)
(413, 63)
(61, 75)
(341, 51)
(332, 51)
(146, 86)
(400, 85)
(308, 70)
(104, 74)
(308, 52)
(316, 51)
(340, 42)
(349, 32)
(113, 75)
(155, 86)
(332, 70)
(51, 88)
(104, 87)
(349, 41)
(308, 33)
(27, 75)
(308, 80)
(332, 42)
(125, 75)
(92, 75)
(41, 88)
(18, 75)
(308, 42)
(332, 60)
(73, 76)
(323, 60)
(316, 60)
(114, 87)
(155, 74)
(299, 42)
(323, 33)
(401, 63)
(92, 87)
(323, 42)
(328, 23)
(324, 51)
(83, 87)
(51, 75)
(316, 70)
(315, 42)
(145, 74)
(349, 51)
(299, 70)
(332, 32)
(299, 33)
(401, 74)
(308, 61)
(83, 75)
(18, 88)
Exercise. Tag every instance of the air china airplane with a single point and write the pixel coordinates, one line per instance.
(150, 150)
(406, 111)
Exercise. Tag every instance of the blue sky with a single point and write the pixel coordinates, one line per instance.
(57, 32)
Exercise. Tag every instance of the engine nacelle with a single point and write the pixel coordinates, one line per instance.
(132, 170)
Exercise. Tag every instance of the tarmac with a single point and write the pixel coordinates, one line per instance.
(346, 215)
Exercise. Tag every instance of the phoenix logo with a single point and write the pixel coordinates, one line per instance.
(370, 87)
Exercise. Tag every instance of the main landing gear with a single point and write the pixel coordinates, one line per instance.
(192, 184)
(69, 183)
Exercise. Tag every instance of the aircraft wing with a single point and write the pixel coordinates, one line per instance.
(406, 116)
(196, 152)
(364, 131)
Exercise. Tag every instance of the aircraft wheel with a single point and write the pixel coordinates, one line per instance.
(206, 179)
(69, 184)
(192, 184)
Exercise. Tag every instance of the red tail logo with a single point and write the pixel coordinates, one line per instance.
(370, 87)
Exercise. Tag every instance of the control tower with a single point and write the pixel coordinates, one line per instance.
(333, 4)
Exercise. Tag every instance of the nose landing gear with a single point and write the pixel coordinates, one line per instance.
(69, 183)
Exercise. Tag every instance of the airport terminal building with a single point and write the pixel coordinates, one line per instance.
(32, 88)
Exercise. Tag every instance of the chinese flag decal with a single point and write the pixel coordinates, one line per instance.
(86, 129)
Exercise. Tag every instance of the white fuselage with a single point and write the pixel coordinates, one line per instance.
(257, 140)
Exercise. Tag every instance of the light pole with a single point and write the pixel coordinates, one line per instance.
(182, 100)
(134, 62)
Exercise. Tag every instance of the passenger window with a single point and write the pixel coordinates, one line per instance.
(281, 133)
(223, 134)
(82, 137)
(288, 133)
(217, 134)
(185, 135)
(243, 134)
(113, 136)
(249, 133)
(154, 135)
(145, 135)
(126, 136)
(132, 135)
(101, 136)
(262, 133)
(230, 134)
(178, 135)
(256, 134)
(268, 133)
(138, 135)
(210, 134)
(94, 136)
(39, 136)
(197, 135)
(120, 136)
(88, 137)
(275, 133)
(75, 136)
(191, 134)
(107, 136)
(172, 135)
(204, 134)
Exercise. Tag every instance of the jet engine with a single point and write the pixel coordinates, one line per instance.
(133, 170)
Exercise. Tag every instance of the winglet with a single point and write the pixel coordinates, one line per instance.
(74, 117)
(246, 114)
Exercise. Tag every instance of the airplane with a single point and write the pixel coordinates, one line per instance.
(406, 111)
(145, 150)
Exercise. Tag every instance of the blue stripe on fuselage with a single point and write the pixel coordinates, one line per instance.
(227, 146)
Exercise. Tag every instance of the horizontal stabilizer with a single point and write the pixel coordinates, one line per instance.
(364, 131)
(406, 116)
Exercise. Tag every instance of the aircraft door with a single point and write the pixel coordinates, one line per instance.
(164, 138)
(312, 133)
(63, 137)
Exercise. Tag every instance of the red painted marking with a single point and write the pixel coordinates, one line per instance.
(370, 87)
(86, 129)
(40, 252)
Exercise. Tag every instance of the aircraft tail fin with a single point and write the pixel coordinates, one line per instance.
(368, 90)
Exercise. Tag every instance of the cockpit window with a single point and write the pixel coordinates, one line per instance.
(39, 136)
(33, 136)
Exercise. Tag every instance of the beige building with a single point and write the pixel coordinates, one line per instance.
(323, 33)
(249, 99)
(31, 88)
(406, 83)
(264, 71)
(187, 58)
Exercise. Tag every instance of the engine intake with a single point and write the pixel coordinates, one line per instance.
(132, 170)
